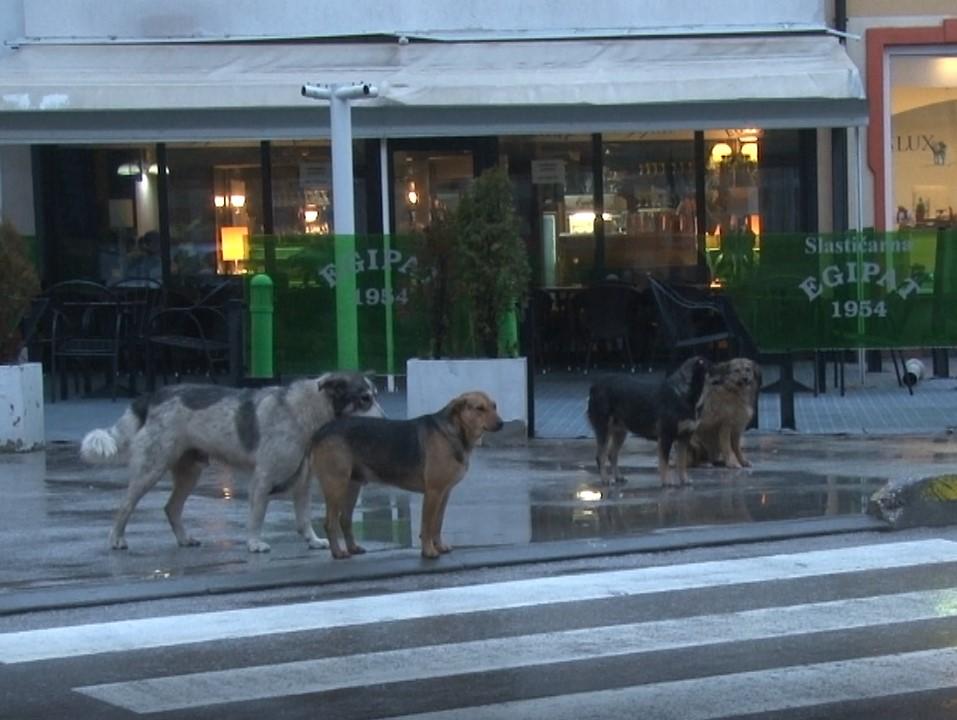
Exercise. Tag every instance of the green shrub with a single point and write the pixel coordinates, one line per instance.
(18, 278)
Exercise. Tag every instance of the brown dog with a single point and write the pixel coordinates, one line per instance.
(726, 407)
(428, 454)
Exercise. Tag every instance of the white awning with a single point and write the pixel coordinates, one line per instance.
(468, 82)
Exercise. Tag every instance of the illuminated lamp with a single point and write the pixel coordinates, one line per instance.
(234, 239)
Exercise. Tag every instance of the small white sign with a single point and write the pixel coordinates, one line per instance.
(548, 172)
(315, 175)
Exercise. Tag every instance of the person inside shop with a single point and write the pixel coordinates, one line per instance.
(143, 261)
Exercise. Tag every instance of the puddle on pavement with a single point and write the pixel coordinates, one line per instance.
(561, 510)
(539, 500)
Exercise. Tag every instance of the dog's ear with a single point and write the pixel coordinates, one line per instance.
(718, 373)
(333, 384)
(457, 405)
(336, 388)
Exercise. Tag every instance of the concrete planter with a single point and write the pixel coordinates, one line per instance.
(430, 384)
(21, 407)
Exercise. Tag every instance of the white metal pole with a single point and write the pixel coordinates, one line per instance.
(859, 224)
(343, 209)
(387, 270)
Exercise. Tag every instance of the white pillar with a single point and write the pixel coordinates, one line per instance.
(343, 210)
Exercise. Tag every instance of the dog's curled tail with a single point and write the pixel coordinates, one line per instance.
(108, 445)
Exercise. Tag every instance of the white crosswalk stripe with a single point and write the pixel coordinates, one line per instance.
(712, 698)
(207, 627)
(781, 682)
(421, 663)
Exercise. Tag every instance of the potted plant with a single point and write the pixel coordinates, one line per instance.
(21, 383)
(489, 273)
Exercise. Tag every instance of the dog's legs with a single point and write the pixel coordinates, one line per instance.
(186, 474)
(302, 504)
(618, 435)
(729, 457)
(437, 538)
(681, 461)
(431, 507)
(664, 453)
(258, 502)
(145, 472)
(736, 447)
(601, 457)
(334, 490)
(333, 513)
(345, 518)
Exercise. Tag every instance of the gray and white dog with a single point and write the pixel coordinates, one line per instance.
(268, 431)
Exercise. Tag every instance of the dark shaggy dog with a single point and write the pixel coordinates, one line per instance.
(662, 410)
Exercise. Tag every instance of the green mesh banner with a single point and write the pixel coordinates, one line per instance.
(853, 290)
(391, 319)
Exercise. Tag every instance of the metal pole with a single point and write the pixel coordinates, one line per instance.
(387, 270)
(343, 214)
(343, 209)
(859, 226)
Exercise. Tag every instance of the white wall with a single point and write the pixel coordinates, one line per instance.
(11, 19)
(857, 51)
(216, 18)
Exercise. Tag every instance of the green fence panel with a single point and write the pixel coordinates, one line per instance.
(851, 290)
(391, 320)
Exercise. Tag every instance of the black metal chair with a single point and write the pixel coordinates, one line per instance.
(607, 314)
(190, 339)
(86, 328)
(139, 298)
(686, 325)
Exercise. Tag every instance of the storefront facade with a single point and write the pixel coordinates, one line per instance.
(144, 146)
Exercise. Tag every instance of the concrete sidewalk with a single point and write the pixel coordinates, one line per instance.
(535, 502)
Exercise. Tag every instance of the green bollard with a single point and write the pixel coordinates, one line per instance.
(508, 334)
(260, 321)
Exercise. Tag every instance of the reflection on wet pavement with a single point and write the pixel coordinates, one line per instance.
(56, 512)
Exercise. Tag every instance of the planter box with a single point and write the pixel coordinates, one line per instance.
(21, 407)
(430, 384)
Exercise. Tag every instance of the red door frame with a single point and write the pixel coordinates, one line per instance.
(879, 40)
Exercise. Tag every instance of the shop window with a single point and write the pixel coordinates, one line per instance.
(649, 205)
(302, 188)
(426, 182)
(100, 212)
(923, 142)
(756, 186)
(215, 206)
(560, 170)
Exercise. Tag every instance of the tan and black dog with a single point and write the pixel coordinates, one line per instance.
(726, 407)
(428, 454)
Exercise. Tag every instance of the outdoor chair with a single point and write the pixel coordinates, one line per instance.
(86, 329)
(187, 340)
(689, 325)
(138, 298)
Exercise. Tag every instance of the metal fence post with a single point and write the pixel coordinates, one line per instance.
(234, 330)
